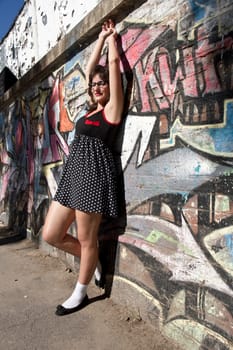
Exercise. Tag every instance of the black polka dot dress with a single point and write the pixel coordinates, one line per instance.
(89, 180)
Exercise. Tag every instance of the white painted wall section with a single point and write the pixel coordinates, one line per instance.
(37, 29)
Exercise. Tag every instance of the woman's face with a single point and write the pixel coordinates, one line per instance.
(99, 90)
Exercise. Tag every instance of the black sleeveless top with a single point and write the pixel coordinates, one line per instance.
(96, 125)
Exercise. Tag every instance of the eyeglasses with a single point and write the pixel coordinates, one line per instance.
(98, 83)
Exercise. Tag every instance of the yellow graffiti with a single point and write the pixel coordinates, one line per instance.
(37, 104)
(156, 235)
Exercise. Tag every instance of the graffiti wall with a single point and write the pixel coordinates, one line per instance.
(177, 156)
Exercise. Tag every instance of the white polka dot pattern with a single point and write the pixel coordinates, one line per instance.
(88, 181)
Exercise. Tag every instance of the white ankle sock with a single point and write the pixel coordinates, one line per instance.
(76, 297)
(98, 271)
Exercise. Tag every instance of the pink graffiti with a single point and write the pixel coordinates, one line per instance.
(147, 77)
(189, 82)
(157, 77)
(4, 183)
(56, 140)
(5, 159)
(19, 138)
(137, 41)
(5, 176)
(30, 148)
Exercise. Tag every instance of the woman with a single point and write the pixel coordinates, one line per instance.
(87, 189)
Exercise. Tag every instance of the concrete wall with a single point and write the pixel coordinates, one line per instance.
(37, 29)
(177, 250)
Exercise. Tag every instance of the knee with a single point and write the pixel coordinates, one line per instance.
(88, 242)
(48, 237)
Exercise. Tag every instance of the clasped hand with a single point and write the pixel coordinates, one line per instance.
(108, 30)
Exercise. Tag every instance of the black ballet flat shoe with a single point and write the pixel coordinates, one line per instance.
(101, 283)
(62, 311)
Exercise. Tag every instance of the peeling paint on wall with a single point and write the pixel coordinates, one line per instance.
(37, 29)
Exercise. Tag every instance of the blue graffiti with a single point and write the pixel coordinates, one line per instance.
(197, 168)
(223, 138)
(201, 7)
(1, 125)
(229, 243)
(71, 63)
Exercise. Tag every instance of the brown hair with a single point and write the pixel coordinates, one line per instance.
(102, 71)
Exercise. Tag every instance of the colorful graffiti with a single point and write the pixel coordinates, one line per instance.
(177, 159)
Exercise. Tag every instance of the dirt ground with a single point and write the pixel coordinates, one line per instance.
(33, 283)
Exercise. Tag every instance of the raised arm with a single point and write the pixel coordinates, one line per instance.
(96, 53)
(94, 58)
(114, 108)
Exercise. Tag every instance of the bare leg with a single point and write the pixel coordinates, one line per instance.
(58, 220)
(88, 226)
